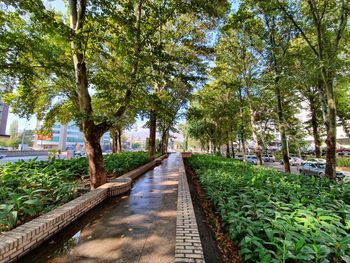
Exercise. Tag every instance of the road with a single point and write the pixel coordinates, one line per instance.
(295, 169)
(25, 158)
(280, 167)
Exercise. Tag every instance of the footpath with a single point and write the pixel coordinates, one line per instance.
(154, 223)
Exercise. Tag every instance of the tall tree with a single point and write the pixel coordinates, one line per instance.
(313, 19)
(240, 46)
(55, 82)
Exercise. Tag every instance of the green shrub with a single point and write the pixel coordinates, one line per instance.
(277, 217)
(120, 163)
(28, 189)
(343, 161)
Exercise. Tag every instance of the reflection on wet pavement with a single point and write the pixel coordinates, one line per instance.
(139, 227)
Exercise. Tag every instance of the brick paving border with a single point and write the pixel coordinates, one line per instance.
(24, 238)
(188, 246)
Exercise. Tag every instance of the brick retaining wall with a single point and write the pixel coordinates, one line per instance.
(22, 239)
(188, 246)
(24, 153)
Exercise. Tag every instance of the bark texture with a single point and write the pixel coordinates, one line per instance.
(152, 135)
(164, 141)
(315, 126)
(95, 158)
(92, 132)
(253, 126)
(282, 130)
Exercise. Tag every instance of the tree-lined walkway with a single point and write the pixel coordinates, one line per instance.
(140, 227)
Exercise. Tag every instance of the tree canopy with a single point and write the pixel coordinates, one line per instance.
(248, 71)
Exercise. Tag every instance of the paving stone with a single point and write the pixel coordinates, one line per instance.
(187, 235)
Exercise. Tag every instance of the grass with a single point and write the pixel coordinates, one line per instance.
(275, 217)
(29, 189)
(343, 161)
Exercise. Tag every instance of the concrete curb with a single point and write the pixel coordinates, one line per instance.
(188, 247)
(22, 239)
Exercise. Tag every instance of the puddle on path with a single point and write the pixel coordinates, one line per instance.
(64, 241)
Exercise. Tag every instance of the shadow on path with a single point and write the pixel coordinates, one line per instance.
(139, 227)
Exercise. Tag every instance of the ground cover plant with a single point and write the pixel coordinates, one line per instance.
(29, 189)
(343, 161)
(276, 217)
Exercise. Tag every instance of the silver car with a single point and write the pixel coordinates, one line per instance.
(252, 159)
(316, 169)
(268, 158)
(239, 157)
(317, 160)
(294, 161)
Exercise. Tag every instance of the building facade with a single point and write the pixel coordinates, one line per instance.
(66, 137)
(4, 112)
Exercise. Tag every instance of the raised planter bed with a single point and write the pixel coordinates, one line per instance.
(186, 155)
(22, 239)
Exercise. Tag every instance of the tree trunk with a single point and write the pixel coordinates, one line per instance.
(95, 158)
(119, 139)
(114, 136)
(227, 149)
(232, 149)
(277, 70)
(331, 128)
(92, 132)
(282, 129)
(164, 142)
(243, 149)
(253, 125)
(152, 135)
(314, 123)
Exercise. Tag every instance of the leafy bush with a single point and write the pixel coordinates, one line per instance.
(343, 161)
(28, 189)
(120, 163)
(277, 217)
(27, 192)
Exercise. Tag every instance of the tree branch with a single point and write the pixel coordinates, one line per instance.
(81, 14)
(342, 23)
(291, 18)
(73, 13)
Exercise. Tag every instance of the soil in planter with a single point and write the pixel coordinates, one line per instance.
(217, 247)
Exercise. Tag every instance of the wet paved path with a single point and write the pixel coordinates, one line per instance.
(140, 227)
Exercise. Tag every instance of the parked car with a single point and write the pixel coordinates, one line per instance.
(252, 159)
(239, 157)
(340, 150)
(294, 161)
(317, 169)
(317, 160)
(268, 158)
(344, 154)
(80, 154)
